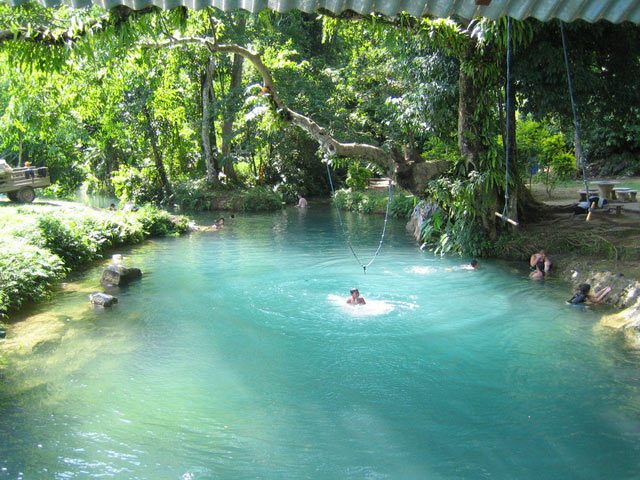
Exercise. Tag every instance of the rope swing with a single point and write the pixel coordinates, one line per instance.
(505, 212)
(364, 266)
(574, 110)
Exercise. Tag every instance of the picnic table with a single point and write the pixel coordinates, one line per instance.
(606, 188)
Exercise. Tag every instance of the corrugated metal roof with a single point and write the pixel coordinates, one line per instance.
(568, 10)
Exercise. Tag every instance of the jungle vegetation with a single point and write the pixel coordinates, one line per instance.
(182, 107)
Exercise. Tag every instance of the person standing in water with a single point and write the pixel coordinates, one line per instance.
(302, 202)
(539, 264)
(356, 299)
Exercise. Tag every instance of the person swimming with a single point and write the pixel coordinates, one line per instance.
(583, 295)
(356, 299)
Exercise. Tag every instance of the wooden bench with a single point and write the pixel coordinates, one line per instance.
(632, 195)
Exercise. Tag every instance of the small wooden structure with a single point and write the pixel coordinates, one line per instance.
(20, 184)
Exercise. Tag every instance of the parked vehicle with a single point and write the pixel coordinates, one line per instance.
(19, 184)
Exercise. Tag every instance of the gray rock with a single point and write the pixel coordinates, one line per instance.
(116, 275)
(421, 213)
(102, 299)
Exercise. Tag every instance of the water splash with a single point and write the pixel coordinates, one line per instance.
(371, 308)
(422, 270)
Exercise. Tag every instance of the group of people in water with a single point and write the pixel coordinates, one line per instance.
(356, 299)
(540, 265)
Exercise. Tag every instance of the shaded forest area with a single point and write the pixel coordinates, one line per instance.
(178, 107)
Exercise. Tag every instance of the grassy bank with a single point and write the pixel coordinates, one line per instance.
(375, 201)
(40, 243)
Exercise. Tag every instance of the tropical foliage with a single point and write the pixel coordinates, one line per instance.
(192, 107)
(39, 246)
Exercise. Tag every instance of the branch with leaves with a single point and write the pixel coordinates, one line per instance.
(331, 146)
(54, 35)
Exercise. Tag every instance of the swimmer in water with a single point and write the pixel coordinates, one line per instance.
(356, 299)
(584, 295)
(473, 264)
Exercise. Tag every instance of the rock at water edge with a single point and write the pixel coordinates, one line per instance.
(102, 299)
(119, 275)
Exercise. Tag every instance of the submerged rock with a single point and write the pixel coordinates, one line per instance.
(102, 299)
(47, 346)
(115, 275)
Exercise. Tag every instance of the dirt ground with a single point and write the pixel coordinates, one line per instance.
(608, 241)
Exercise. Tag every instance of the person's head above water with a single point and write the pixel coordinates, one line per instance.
(355, 299)
(474, 263)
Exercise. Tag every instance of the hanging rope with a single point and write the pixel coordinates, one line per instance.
(505, 212)
(574, 109)
(344, 231)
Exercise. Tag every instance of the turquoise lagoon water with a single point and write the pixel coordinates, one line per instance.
(235, 357)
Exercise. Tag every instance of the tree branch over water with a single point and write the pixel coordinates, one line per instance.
(412, 171)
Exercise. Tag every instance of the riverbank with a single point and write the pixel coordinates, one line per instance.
(603, 252)
(40, 243)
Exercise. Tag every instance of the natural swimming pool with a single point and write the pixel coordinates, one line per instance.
(236, 357)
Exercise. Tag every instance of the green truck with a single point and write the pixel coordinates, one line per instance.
(19, 184)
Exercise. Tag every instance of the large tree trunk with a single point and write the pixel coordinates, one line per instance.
(227, 124)
(153, 139)
(20, 149)
(207, 123)
(469, 127)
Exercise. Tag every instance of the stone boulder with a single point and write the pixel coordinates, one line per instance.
(628, 320)
(117, 275)
(102, 299)
(421, 213)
